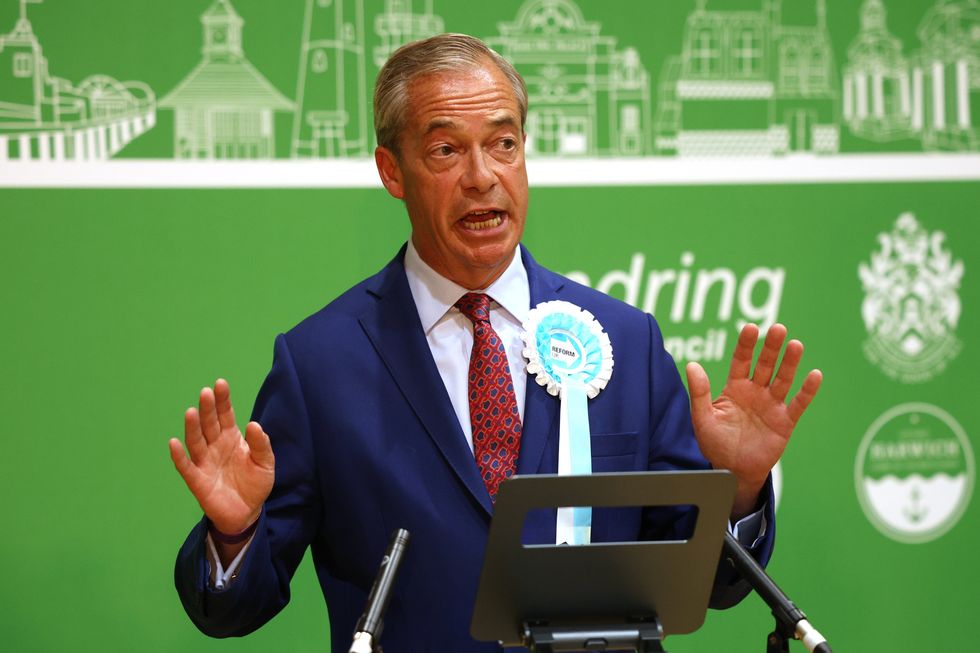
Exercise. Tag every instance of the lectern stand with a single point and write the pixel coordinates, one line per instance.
(602, 596)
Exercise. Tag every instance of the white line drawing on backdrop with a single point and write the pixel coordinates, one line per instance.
(756, 82)
(751, 79)
(946, 77)
(47, 118)
(399, 25)
(224, 108)
(911, 306)
(587, 98)
(332, 118)
(933, 96)
(877, 92)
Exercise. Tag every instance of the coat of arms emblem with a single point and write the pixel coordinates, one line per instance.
(911, 306)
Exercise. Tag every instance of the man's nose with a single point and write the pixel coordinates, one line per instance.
(479, 174)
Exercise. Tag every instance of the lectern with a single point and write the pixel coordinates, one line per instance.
(600, 596)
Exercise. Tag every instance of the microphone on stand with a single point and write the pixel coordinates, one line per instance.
(371, 623)
(790, 620)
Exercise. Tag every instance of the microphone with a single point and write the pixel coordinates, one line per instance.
(789, 618)
(371, 623)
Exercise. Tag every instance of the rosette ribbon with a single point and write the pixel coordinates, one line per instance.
(569, 353)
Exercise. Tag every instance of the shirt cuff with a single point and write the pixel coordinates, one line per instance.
(218, 577)
(749, 530)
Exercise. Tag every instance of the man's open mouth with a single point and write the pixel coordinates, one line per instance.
(485, 219)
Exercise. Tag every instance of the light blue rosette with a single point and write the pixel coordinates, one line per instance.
(569, 353)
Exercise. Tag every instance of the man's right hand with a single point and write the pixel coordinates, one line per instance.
(230, 477)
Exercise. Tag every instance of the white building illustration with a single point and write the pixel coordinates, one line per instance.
(586, 96)
(337, 57)
(47, 118)
(331, 117)
(933, 95)
(946, 77)
(756, 78)
(399, 25)
(224, 108)
(876, 81)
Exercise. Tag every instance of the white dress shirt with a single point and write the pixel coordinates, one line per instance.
(450, 333)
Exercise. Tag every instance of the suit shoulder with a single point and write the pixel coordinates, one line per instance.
(342, 312)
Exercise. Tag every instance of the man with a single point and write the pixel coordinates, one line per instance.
(369, 402)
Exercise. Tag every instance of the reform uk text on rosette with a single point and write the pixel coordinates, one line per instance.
(568, 352)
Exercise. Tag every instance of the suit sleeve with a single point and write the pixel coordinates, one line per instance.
(673, 446)
(287, 525)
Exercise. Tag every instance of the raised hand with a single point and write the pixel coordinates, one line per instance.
(230, 477)
(746, 429)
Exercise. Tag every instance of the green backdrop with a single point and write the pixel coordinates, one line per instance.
(120, 303)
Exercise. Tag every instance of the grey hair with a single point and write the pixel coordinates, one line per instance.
(440, 53)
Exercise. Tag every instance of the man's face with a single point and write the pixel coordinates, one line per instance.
(461, 173)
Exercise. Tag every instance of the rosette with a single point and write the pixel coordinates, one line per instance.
(564, 342)
(569, 353)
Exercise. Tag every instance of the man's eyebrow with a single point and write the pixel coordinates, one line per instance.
(506, 119)
(439, 123)
(499, 120)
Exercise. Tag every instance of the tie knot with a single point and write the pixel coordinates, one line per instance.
(475, 306)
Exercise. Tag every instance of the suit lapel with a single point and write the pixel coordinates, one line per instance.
(406, 354)
(540, 408)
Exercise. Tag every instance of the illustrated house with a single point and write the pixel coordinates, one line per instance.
(224, 108)
(876, 81)
(48, 118)
(752, 79)
(586, 96)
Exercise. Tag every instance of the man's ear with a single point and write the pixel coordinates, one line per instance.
(390, 171)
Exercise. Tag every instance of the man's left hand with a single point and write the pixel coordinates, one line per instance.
(746, 429)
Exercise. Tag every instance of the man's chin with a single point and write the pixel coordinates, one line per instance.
(481, 266)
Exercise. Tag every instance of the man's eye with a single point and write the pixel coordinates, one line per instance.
(508, 143)
(443, 150)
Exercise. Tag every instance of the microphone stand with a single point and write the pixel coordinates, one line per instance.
(791, 623)
(369, 626)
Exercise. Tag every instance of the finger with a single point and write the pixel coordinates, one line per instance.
(197, 446)
(222, 401)
(209, 416)
(769, 355)
(806, 394)
(742, 356)
(184, 466)
(260, 448)
(787, 370)
(699, 388)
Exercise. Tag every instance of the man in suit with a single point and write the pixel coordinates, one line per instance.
(370, 404)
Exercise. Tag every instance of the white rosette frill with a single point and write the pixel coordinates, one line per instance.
(569, 354)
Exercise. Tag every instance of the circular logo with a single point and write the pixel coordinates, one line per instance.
(914, 472)
(567, 353)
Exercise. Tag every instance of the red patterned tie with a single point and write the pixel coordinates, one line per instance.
(493, 406)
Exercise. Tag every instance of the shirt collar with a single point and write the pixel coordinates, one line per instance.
(434, 294)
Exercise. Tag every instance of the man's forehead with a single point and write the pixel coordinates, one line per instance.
(439, 96)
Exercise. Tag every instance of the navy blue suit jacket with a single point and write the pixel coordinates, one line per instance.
(366, 441)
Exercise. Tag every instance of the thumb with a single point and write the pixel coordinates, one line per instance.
(260, 448)
(699, 388)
